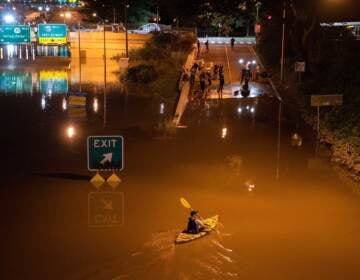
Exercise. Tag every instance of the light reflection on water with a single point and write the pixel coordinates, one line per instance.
(15, 82)
(57, 77)
(249, 153)
(160, 258)
(26, 82)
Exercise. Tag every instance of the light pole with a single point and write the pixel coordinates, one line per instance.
(283, 45)
(126, 7)
(79, 46)
(157, 14)
(257, 5)
(104, 45)
(105, 65)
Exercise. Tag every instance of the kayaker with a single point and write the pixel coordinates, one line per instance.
(195, 224)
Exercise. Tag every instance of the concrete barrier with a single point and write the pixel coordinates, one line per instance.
(226, 40)
(185, 91)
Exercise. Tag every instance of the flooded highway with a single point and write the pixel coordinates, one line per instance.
(285, 211)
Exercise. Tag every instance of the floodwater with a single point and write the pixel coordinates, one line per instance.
(285, 212)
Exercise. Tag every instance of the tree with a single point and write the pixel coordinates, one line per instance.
(305, 29)
(302, 29)
(139, 12)
(227, 15)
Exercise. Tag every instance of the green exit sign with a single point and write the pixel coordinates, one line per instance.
(15, 34)
(105, 153)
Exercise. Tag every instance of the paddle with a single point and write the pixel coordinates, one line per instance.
(185, 203)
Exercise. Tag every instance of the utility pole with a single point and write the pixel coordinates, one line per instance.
(104, 46)
(257, 5)
(126, 28)
(79, 46)
(105, 80)
(283, 45)
(157, 14)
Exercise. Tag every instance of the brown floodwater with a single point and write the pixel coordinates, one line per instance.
(285, 211)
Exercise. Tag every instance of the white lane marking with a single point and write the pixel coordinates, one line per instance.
(262, 66)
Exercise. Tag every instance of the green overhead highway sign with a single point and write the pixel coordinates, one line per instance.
(52, 34)
(105, 153)
(15, 34)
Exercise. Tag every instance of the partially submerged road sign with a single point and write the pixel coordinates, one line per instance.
(105, 153)
(326, 100)
(77, 99)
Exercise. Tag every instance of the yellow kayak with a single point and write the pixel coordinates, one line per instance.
(184, 237)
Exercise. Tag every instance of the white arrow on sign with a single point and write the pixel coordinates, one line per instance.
(107, 158)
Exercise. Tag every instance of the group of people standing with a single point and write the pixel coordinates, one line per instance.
(206, 78)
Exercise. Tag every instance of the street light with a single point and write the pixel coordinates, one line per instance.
(66, 15)
(9, 18)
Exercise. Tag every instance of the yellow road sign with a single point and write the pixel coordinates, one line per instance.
(53, 41)
(97, 181)
(45, 74)
(113, 181)
(77, 101)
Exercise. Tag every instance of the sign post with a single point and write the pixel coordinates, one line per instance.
(300, 68)
(322, 101)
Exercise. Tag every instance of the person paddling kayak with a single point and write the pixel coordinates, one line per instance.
(195, 223)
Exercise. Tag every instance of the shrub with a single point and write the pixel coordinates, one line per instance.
(141, 73)
(151, 52)
(155, 69)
